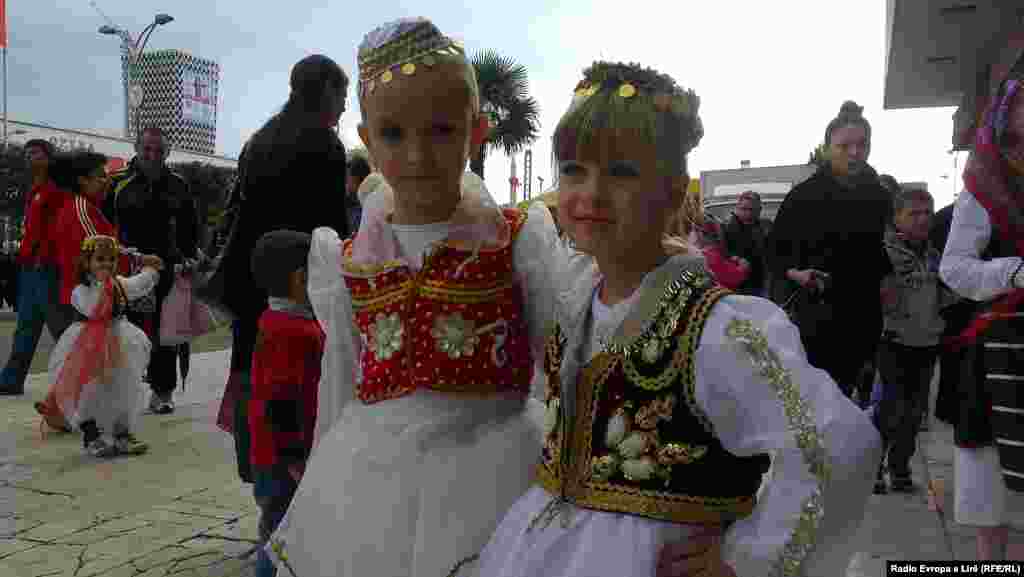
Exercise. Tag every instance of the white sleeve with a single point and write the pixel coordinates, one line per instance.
(333, 308)
(84, 298)
(139, 285)
(539, 260)
(762, 396)
(962, 268)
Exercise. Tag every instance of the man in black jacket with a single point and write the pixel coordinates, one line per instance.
(155, 213)
(745, 237)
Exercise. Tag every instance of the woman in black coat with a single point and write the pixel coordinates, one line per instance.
(292, 176)
(828, 240)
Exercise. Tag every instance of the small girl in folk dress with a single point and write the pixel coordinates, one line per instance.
(434, 314)
(97, 364)
(685, 431)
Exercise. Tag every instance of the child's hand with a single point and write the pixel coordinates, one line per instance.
(151, 260)
(700, 555)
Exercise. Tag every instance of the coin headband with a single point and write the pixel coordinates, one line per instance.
(422, 46)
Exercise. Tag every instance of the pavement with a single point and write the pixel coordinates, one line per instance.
(181, 510)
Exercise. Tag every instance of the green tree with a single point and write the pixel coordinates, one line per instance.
(819, 156)
(504, 97)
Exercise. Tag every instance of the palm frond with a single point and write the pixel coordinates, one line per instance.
(519, 128)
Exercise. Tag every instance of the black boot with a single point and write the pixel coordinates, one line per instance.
(90, 432)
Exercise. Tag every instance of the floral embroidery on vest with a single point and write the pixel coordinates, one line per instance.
(435, 329)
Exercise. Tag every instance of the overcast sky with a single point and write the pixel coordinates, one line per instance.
(770, 74)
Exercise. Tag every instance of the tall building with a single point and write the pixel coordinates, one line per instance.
(180, 97)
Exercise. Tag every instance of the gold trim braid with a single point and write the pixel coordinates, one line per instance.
(800, 416)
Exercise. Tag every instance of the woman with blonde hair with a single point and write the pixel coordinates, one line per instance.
(693, 230)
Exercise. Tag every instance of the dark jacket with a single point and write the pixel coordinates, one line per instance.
(156, 217)
(295, 183)
(748, 241)
(827, 226)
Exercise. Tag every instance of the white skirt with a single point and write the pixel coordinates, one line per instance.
(979, 488)
(595, 543)
(408, 487)
(118, 401)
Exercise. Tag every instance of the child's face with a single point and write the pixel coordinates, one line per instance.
(914, 219)
(612, 199)
(101, 264)
(421, 129)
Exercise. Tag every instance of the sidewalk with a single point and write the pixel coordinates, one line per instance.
(181, 511)
(178, 511)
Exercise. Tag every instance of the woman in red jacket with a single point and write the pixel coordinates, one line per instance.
(84, 174)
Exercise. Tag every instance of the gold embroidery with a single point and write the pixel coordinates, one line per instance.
(680, 453)
(801, 422)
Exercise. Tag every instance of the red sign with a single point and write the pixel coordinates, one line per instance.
(113, 164)
(3, 23)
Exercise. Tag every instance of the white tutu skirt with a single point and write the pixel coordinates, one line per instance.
(595, 543)
(119, 400)
(408, 487)
(980, 492)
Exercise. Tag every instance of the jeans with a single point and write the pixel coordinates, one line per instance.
(906, 376)
(272, 510)
(38, 305)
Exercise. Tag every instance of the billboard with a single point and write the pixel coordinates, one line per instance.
(199, 95)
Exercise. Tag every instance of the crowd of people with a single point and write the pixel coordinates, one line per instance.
(610, 382)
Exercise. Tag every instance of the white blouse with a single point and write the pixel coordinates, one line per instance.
(962, 268)
(85, 297)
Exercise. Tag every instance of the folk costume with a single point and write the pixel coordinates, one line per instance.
(679, 407)
(98, 363)
(424, 433)
(982, 262)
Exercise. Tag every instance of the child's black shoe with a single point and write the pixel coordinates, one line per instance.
(902, 484)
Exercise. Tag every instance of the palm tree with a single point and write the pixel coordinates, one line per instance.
(504, 97)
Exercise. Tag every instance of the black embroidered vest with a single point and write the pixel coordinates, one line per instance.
(639, 442)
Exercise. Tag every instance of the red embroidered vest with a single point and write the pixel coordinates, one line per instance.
(456, 325)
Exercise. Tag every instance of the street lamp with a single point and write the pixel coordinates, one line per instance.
(132, 49)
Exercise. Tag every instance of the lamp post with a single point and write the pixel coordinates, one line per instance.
(131, 49)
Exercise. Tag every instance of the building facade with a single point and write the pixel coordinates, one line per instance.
(950, 53)
(179, 95)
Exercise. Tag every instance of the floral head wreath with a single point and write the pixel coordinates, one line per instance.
(618, 94)
(404, 47)
(91, 243)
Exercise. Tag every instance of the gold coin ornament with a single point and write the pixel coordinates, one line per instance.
(408, 69)
(627, 90)
(386, 77)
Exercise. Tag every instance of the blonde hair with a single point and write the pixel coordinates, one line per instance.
(97, 243)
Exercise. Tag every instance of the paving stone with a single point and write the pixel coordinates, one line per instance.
(12, 526)
(39, 560)
(143, 541)
(199, 510)
(9, 547)
(56, 531)
(244, 529)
